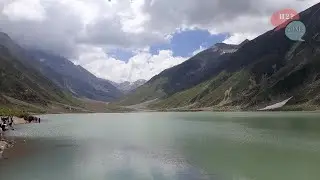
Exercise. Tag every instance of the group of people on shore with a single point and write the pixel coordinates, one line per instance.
(30, 119)
(7, 122)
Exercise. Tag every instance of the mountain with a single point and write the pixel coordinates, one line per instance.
(266, 70)
(23, 88)
(63, 72)
(23, 84)
(186, 75)
(127, 87)
(71, 77)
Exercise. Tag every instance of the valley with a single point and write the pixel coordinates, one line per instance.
(249, 76)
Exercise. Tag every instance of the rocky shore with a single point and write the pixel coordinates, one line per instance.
(4, 144)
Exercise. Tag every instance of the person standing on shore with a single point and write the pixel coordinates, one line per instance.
(3, 127)
(3, 120)
(1, 132)
(11, 123)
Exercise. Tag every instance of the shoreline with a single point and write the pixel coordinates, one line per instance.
(6, 143)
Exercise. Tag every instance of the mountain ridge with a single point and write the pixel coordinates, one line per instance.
(127, 87)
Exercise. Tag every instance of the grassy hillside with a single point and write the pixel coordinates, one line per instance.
(252, 87)
(219, 91)
(192, 95)
(25, 83)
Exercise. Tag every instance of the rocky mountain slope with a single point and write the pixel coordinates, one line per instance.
(74, 78)
(268, 69)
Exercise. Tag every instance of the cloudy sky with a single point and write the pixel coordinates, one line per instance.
(127, 40)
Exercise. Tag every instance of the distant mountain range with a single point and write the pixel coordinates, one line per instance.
(267, 69)
(127, 87)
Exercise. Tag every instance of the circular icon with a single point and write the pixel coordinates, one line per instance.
(295, 30)
(282, 18)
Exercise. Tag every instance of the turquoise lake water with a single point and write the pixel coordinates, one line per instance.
(169, 146)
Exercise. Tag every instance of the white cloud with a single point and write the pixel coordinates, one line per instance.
(237, 38)
(31, 10)
(143, 65)
(67, 26)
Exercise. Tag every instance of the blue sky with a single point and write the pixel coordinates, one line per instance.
(185, 42)
(123, 55)
(182, 44)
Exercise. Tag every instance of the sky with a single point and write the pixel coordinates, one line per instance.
(128, 40)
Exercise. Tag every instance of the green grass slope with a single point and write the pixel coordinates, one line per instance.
(25, 83)
(210, 93)
(252, 88)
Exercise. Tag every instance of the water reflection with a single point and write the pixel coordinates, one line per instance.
(68, 159)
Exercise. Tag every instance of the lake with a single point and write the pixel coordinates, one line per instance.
(169, 146)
